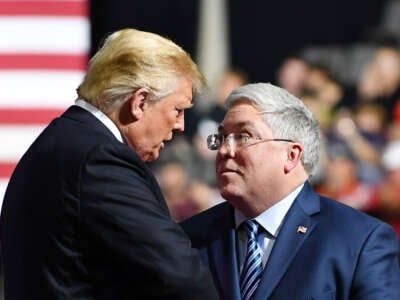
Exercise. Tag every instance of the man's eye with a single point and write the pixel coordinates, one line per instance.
(179, 111)
(244, 137)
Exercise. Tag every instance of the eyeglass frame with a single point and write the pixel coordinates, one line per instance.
(232, 139)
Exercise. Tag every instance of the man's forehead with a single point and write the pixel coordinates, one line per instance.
(236, 124)
(242, 115)
(242, 112)
(243, 104)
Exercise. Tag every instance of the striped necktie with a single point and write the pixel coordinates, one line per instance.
(252, 268)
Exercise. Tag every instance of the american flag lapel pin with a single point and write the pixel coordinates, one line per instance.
(302, 229)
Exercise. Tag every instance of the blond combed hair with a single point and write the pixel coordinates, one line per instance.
(131, 59)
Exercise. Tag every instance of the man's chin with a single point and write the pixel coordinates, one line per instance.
(229, 192)
(151, 156)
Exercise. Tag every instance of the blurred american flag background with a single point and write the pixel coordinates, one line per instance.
(44, 47)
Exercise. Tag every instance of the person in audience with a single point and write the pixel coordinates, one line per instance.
(341, 180)
(363, 131)
(213, 108)
(175, 184)
(292, 75)
(388, 192)
(321, 83)
(227, 82)
(380, 80)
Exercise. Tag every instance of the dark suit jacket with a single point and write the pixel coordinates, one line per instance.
(84, 218)
(344, 254)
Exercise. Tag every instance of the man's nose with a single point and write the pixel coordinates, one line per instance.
(227, 148)
(180, 124)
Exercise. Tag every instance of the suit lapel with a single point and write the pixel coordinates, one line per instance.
(223, 256)
(289, 240)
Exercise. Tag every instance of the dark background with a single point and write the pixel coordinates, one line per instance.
(262, 32)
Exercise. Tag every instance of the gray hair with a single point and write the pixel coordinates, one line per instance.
(286, 115)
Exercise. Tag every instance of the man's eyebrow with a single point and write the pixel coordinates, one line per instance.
(185, 106)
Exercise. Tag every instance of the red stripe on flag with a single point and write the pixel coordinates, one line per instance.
(42, 8)
(43, 61)
(28, 116)
(6, 169)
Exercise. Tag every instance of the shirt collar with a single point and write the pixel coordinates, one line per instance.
(103, 118)
(271, 219)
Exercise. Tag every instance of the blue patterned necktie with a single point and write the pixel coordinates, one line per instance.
(252, 268)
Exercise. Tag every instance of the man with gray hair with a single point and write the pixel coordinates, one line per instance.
(275, 238)
(83, 216)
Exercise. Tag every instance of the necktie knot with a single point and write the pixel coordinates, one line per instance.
(251, 227)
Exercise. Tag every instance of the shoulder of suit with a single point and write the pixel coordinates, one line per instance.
(333, 209)
(205, 226)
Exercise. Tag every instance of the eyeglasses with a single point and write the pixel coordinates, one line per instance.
(237, 140)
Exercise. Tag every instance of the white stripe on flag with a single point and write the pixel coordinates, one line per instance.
(44, 35)
(44, 46)
(3, 186)
(16, 139)
(39, 88)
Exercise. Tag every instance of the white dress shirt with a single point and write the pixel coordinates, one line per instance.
(103, 118)
(271, 221)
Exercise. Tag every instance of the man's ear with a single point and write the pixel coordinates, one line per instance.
(294, 154)
(138, 103)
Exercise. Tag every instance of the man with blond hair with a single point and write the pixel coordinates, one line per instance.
(83, 217)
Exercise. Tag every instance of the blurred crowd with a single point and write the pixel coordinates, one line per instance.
(353, 90)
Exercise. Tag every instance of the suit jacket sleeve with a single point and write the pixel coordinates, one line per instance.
(377, 274)
(128, 227)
